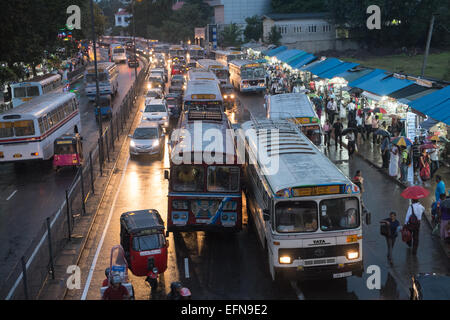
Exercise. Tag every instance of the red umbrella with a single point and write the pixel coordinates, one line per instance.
(427, 146)
(415, 192)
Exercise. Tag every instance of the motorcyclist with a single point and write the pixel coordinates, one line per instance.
(174, 294)
(106, 281)
(116, 291)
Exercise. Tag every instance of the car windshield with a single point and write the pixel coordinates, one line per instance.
(339, 214)
(223, 179)
(155, 108)
(252, 73)
(153, 94)
(296, 216)
(177, 78)
(65, 149)
(149, 242)
(188, 178)
(145, 133)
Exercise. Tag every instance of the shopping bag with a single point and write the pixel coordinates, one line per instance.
(406, 234)
(425, 173)
(436, 230)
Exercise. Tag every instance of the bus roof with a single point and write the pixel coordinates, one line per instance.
(209, 63)
(245, 63)
(101, 65)
(40, 105)
(290, 105)
(228, 52)
(43, 80)
(300, 162)
(197, 88)
(201, 74)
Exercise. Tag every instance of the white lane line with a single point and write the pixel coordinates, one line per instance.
(297, 290)
(186, 268)
(100, 244)
(12, 195)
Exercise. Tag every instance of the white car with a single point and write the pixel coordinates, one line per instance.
(156, 93)
(156, 110)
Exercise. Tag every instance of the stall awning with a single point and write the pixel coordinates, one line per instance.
(371, 96)
(366, 77)
(302, 60)
(312, 64)
(331, 73)
(324, 65)
(274, 51)
(408, 91)
(416, 96)
(287, 55)
(428, 124)
(435, 105)
(383, 84)
(353, 75)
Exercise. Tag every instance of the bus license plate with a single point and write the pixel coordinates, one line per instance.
(342, 275)
(17, 155)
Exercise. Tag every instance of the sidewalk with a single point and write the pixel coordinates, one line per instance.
(372, 155)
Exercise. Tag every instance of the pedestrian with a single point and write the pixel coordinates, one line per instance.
(375, 125)
(444, 217)
(337, 130)
(351, 142)
(327, 133)
(424, 164)
(393, 161)
(351, 108)
(331, 110)
(319, 107)
(412, 222)
(385, 148)
(368, 124)
(434, 157)
(342, 112)
(359, 180)
(415, 154)
(390, 233)
(404, 163)
(359, 123)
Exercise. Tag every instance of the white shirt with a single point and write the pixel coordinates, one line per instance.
(351, 106)
(332, 105)
(418, 211)
(433, 155)
(359, 120)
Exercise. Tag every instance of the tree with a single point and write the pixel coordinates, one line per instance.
(231, 36)
(110, 8)
(298, 6)
(274, 36)
(254, 28)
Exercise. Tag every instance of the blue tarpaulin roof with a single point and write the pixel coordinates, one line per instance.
(374, 73)
(302, 60)
(435, 105)
(276, 50)
(383, 84)
(329, 74)
(312, 64)
(324, 65)
(287, 55)
(351, 76)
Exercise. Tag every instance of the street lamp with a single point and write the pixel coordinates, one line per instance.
(134, 35)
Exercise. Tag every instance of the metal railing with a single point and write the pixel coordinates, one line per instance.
(28, 277)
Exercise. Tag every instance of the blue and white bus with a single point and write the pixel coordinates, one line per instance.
(247, 75)
(107, 80)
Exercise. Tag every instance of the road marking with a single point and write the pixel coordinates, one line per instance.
(12, 195)
(297, 290)
(100, 244)
(186, 268)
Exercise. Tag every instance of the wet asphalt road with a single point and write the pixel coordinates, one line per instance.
(233, 266)
(31, 192)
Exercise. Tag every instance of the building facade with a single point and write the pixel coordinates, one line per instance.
(310, 32)
(122, 17)
(235, 11)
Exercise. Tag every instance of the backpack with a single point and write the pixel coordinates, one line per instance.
(413, 222)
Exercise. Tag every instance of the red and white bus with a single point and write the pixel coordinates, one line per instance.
(204, 182)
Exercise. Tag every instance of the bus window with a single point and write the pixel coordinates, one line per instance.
(6, 129)
(33, 91)
(19, 92)
(296, 216)
(223, 179)
(339, 214)
(24, 128)
(188, 178)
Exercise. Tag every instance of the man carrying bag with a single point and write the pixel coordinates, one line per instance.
(412, 223)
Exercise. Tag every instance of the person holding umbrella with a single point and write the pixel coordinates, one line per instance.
(414, 213)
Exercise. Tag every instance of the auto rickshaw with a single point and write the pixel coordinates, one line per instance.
(143, 238)
(105, 105)
(118, 267)
(228, 96)
(68, 151)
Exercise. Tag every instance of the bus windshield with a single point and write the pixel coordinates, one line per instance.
(90, 77)
(17, 128)
(296, 216)
(223, 179)
(188, 178)
(252, 73)
(22, 92)
(120, 50)
(339, 214)
(221, 74)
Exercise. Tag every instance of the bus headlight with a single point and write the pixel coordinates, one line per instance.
(285, 260)
(180, 204)
(225, 96)
(232, 96)
(230, 205)
(351, 255)
(149, 86)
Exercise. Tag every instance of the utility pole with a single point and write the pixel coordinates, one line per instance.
(427, 49)
(134, 40)
(97, 106)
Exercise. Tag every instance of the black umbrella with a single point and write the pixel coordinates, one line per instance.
(355, 130)
(383, 133)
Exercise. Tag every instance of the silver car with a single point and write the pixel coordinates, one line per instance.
(147, 139)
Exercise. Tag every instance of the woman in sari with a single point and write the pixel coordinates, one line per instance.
(424, 164)
(393, 162)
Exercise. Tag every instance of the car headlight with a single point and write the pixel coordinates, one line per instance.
(132, 144)
(149, 86)
(155, 143)
(164, 118)
(285, 260)
(351, 255)
(225, 96)
(232, 96)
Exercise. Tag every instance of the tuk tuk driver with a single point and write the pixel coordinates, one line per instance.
(117, 291)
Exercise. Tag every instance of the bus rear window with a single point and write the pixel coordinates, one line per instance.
(33, 91)
(19, 92)
(24, 128)
(6, 129)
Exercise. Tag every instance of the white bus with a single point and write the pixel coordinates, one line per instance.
(306, 212)
(298, 108)
(118, 53)
(201, 74)
(225, 56)
(28, 132)
(108, 82)
(219, 69)
(195, 52)
(25, 91)
(202, 94)
(247, 75)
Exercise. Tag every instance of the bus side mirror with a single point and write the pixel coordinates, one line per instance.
(166, 174)
(266, 214)
(368, 217)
